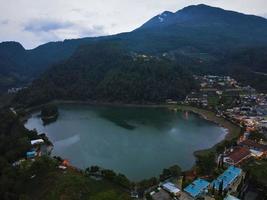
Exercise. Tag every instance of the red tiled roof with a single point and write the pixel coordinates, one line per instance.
(238, 154)
(253, 144)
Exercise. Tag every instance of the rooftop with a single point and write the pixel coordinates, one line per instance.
(227, 177)
(238, 154)
(170, 187)
(253, 144)
(197, 187)
(38, 141)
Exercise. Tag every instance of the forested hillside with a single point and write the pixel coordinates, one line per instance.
(106, 73)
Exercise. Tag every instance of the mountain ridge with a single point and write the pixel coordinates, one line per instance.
(196, 37)
(183, 15)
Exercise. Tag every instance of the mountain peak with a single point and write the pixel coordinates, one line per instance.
(201, 8)
(203, 15)
(11, 48)
(198, 6)
(11, 44)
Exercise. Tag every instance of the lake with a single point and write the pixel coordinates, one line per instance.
(136, 141)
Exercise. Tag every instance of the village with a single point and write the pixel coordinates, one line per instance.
(242, 106)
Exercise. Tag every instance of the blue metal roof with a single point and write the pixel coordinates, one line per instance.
(197, 187)
(227, 177)
(30, 154)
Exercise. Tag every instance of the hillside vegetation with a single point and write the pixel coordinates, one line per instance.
(197, 37)
(106, 73)
(42, 179)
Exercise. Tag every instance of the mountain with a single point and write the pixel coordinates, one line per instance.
(106, 73)
(19, 66)
(203, 15)
(195, 37)
(206, 29)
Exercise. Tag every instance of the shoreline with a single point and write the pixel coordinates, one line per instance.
(231, 129)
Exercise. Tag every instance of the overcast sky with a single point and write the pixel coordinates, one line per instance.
(34, 22)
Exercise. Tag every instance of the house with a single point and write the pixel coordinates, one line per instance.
(263, 124)
(198, 188)
(192, 98)
(228, 178)
(62, 167)
(255, 148)
(31, 154)
(171, 188)
(170, 101)
(236, 155)
(65, 163)
(38, 141)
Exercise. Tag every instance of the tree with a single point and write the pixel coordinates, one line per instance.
(183, 181)
(108, 174)
(94, 169)
(220, 191)
(240, 186)
(206, 164)
(175, 170)
(123, 181)
(213, 189)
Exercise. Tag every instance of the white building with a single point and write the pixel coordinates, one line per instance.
(171, 188)
(38, 141)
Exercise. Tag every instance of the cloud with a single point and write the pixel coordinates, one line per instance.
(95, 30)
(41, 25)
(4, 22)
(54, 29)
(34, 22)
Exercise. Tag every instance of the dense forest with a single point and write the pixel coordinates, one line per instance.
(247, 65)
(108, 73)
(14, 142)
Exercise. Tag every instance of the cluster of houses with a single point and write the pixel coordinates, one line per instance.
(228, 182)
(245, 149)
(216, 87)
(38, 149)
(212, 86)
(232, 177)
(14, 90)
(252, 114)
(239, 104)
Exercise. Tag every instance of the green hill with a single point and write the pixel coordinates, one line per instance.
(107, 73)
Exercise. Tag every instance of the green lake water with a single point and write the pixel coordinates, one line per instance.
(138, 142)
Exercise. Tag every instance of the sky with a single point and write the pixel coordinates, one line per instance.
(35, 22)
